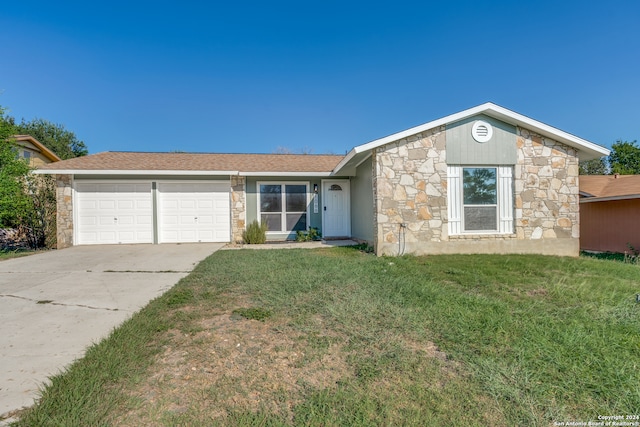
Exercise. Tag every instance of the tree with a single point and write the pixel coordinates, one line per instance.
(55, 137)
(13, 199)
(594, 167)
(625, 158)
(27, 201)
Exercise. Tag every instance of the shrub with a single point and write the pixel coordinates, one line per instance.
(255, 233)
(308, 236)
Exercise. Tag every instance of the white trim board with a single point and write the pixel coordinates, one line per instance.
(589, 149)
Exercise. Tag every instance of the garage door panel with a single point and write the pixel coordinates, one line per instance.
(126, 204)
(106, 220)
(110, 213)
(87, 204)
(88, 220)
(187, 220)
(188, 204)
(107, 236)
(107, 204)
(206, 219)
(199, 209)
(145, 220)
(171, 220)
(126, 236)
(124, 220)
(209, 235)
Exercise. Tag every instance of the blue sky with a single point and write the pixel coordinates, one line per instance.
(324, 76)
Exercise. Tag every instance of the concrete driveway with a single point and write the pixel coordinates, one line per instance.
(55, 304)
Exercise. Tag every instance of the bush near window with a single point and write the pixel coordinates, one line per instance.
(256, 233)
(308, 236)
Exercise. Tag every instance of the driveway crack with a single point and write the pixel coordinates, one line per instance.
(58, 303)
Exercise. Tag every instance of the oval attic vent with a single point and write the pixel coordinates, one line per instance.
(481, 131)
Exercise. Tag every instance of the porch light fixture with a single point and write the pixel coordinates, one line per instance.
(315, 188)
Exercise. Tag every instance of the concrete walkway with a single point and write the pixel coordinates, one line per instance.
(55, 304)
(293, 245)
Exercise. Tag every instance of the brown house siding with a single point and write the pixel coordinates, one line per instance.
(610, 226)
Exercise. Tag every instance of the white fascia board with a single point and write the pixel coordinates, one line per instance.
(491, 110)
(423, 127)
(345, 160)
(518, 119)
(350, 163)
(406, 133)
(276, 174)
(609, 198)
(132, 172)
(173, 172)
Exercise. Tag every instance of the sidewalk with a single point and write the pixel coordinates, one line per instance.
(290, 244)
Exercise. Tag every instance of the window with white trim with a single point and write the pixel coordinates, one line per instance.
(283, 206)
(480, 199)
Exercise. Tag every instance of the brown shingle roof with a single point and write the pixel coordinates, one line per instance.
(130, 161)
(610, 185)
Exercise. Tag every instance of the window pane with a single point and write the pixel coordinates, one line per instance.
(270, 198)
(479, 186)
(273, 221)
(296, 222)
(477, 218)
(296, 198)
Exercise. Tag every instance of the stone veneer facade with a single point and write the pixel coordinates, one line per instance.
(410, 188)
(64, 214)
(238, 207)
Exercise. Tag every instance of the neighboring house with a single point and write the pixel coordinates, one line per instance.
(610, 213)
(31, 149)
(485, 180)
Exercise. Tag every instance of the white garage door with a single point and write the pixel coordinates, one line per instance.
(111, 213)
(194, 212)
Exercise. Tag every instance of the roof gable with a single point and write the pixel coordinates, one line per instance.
(29, 141)
(587, 150)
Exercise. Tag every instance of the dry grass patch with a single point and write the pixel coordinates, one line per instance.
(235, 364)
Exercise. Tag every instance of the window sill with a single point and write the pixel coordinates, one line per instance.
(483, 236)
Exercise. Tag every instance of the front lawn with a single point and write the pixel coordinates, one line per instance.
(17, 253)
(340, 337)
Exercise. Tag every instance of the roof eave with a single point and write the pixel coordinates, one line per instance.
(609, 198)
(131, 172)
(301, 174)
(176, 172)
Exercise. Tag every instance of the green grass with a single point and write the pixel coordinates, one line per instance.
(17, 253)
(439, 340)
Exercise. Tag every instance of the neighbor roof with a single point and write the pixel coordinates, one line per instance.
(609, 187)
(136, 163)
(44, 150)
(586, 150)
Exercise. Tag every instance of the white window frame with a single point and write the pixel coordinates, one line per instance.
(283, 219)
(505, 197)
